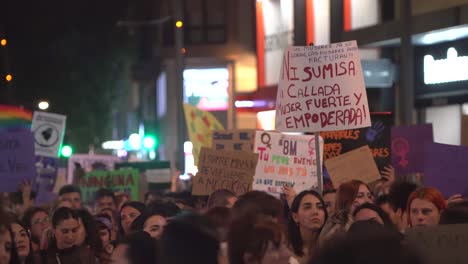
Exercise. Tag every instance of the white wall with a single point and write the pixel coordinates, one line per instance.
(446, 122)
(364, 13)
(279, 26)
(322, 22)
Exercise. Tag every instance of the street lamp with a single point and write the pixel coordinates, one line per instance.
(43, 105)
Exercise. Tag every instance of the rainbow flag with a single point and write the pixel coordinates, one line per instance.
(14, 117)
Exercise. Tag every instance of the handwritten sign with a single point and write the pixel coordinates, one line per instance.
(445, 168)
(234, 139)
(48, 130)
(357, 164)
(224, 169)
(16, 159)
(377, 137)
(446, 244)
(285, 159)
(321, 88)
(408, 148)
(125, 180)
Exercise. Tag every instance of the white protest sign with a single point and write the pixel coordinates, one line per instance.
(48, 130)
(285, 159)
(321, 88)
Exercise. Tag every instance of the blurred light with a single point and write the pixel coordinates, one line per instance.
(451, 69)
(113, 144)
(179, 24)
(244, 104)
(135, 141)
(152, 155)
(121, 153)
(188, 147)
(8, 77)
(149, 142)
(444, 35)
(266, 120)
(66, 151)
(183, 50)
(43, 105)
(3, 42)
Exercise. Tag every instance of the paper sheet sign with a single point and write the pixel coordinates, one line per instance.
(445, 244)
(242, 139)
(285, 159)
(224, 169)
(357, 164)
(321, 88)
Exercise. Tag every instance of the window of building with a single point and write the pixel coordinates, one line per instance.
(205, 21)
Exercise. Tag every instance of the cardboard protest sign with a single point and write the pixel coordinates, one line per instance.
(79, 164)
(224, 169)
(377, 137)
(16, 159)
(445, 244)
(125, 180)
(48, 130)
(445, 168)
(242, 139)
(285, 159)
(408, 148)
(200, 125)
(321, 88)
(357, 164)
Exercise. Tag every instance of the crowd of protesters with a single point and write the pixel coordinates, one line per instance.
(356, 223)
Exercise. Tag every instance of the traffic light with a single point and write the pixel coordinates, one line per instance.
(150, 142)
(66, 151)
(179, 24)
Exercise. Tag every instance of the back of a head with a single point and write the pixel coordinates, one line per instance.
(189, 239)
(257, 203)
(399, 194)
(367, 243)
(346, 194)
(69, 189)
(455, 213)
(141, 248)
(220, 198)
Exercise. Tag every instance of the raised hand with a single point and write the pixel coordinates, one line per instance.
(290, 194)
(374, 131)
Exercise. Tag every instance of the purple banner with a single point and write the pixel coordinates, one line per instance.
(408, 148)
(16, 159)
(446, 168)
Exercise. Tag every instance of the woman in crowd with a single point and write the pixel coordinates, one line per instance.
(104, 227)
(22, 242)
(7, 249)
(425, 206)
(261, 243)
(36, 220)
(62, 247)
(307, 217)
(350, 195)
(88, 234)
(129, 212)
(155, 217)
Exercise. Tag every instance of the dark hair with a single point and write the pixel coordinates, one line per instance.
(220, 218)
(220, 198)
(103, 222)
(139, 206)
(63, 213)
(69, 189)
(455, 213)
(256, 240)
(192, 233)
(381, 213)
(30, 257)
(17, 197)
(373, 243)
(294, 233)
(92, 235)
(255, 203)
(28, 216)
(141, 248)
(329, 191)
(101, 193)
(346, 194)
(164, 209)
(399, 193)
(381, 200)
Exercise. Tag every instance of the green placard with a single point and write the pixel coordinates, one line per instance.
(125, 180)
